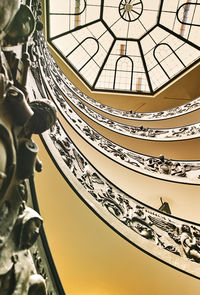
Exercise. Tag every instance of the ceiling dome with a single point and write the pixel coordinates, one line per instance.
(128, 45)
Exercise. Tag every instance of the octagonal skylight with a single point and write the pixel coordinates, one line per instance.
(125, 46)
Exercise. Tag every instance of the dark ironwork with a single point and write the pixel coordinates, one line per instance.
(129, 10)
(121, 59)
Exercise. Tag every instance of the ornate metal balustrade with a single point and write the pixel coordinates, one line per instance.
(165, 237)
(159, 167)
(160, 134)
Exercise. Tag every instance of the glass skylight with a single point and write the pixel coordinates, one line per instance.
(128, 45)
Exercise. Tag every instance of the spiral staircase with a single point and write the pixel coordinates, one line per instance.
(106, 94)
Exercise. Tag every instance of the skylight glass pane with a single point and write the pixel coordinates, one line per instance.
(62, 44)
(62, 25)
(106, 80)
(187, 54)
(90, 72)
(158, 77)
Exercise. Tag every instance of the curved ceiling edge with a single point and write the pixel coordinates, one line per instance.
(156, 134)
(129, 114)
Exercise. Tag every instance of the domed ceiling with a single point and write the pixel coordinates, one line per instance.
(128, 45)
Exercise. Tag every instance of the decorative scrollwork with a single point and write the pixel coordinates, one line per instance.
(129, 10)
(164, 233)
